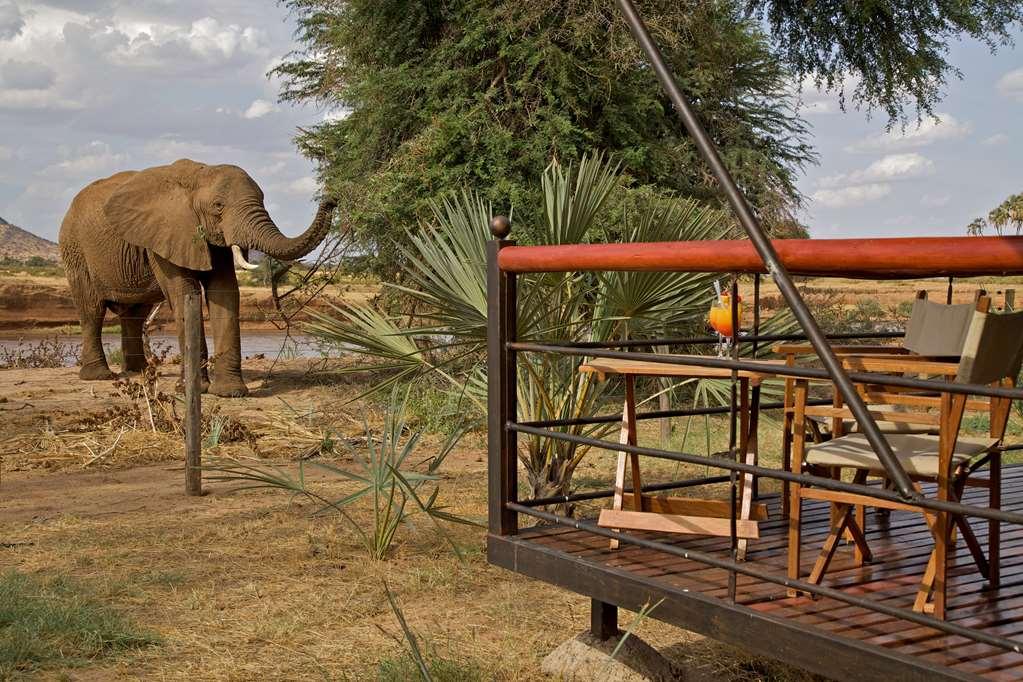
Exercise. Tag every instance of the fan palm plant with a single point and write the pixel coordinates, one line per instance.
(445, 276)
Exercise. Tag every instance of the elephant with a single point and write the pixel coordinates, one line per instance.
(137, 238)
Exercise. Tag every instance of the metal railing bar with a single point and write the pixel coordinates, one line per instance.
(707, 340)
(778, 370)
(757, 470)
(746, 568)
(598, 494)
(659, 414)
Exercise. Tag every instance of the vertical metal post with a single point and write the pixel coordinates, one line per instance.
(1009, 304)
(948, 295)
(755, 391)
(664, 399)
(733, 417)
(190, 368)
(502, 464)
(744, 213)
(603, 620)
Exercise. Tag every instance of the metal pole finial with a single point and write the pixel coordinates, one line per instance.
(500, 227)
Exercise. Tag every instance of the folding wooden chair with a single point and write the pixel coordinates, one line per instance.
(991, 355)
(934, 331)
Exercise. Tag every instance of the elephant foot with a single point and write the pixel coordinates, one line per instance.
(229, 388)
(133, 367)
(96, 373)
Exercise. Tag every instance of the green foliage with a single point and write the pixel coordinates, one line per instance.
(477, 94)
(1009, 212)
(47, 623)
(386, 479)
(895, 51)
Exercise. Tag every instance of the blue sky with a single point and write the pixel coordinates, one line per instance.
(929, 180)
(91, 87)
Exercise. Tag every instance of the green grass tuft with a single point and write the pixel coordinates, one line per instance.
(56, 623)
(403, 667)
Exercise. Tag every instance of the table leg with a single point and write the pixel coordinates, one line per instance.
(627, 436)
(750, 456)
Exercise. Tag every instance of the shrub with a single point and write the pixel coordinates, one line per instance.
(387, 481)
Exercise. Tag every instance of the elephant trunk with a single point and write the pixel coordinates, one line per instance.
(267, 238)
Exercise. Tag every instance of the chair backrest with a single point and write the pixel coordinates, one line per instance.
(938, 329)
(993, 349)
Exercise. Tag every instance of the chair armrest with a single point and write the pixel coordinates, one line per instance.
(807, 349)
(901, 363)
(923, 418)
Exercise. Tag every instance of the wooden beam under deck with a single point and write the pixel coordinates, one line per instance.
(824, 636)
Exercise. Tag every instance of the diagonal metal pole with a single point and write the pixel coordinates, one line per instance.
(766, 250)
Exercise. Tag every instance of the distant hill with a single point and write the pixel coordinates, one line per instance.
(22, 244)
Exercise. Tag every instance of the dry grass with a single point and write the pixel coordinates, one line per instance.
(246, 585)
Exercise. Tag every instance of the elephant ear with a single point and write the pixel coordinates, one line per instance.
(153, 210)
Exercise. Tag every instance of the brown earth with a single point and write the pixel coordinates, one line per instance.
(29, 301)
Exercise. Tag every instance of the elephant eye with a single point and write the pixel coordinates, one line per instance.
(218, 206)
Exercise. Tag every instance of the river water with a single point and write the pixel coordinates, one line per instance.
(253, 343)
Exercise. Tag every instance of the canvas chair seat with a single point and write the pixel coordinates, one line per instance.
(917, 453)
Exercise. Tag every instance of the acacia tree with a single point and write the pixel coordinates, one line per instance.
(463, 93)
(885, 54)
(446, 94)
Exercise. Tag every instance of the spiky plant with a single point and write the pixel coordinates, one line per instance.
(444, 274)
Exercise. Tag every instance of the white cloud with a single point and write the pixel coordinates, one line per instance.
(851, 196)
(817, 98)
(1011, 84)
(193, 49)
(995, 140)
(26, 75)
(302, 187)
(91, 161)
(34, 100)
(259, 108)
(334, 115)
(935, 200)
(6, 153)
(929, 131)
(891, 167)
(272, 169)
(11, 20)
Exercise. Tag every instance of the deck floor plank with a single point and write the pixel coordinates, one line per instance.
(901, 550)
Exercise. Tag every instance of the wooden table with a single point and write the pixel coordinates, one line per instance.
(680, 514)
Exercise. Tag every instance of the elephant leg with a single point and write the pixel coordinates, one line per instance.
(133, 321)
(91, 310)
(223, 302)
(175, 282)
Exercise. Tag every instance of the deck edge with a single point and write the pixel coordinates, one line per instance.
(817, 651)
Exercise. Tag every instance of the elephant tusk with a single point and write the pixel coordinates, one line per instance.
(239, 259)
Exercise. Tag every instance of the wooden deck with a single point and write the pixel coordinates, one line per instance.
(825, 636)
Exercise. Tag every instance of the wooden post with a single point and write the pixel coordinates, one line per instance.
(190, 368)
(501, 386)
(603, 620)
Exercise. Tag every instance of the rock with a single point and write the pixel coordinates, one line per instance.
(584, 658)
